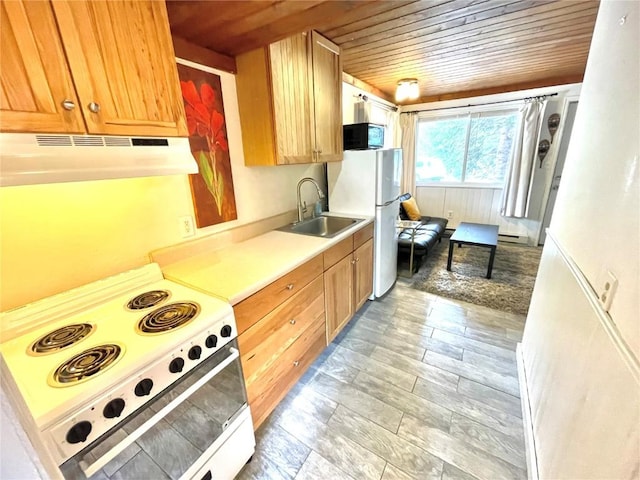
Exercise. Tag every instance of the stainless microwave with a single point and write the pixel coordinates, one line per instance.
(362, 136)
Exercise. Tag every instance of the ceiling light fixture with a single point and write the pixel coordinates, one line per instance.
(407, 89)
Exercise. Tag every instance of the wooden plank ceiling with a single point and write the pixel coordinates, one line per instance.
(455, 48)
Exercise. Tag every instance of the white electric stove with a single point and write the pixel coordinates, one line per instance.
(104, 355)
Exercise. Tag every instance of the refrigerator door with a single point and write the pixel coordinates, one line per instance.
(389, 173)
(352, 183)
(385, 256)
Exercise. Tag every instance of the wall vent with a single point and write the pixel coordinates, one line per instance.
(88, 141)
(54, 140)
(117, 141)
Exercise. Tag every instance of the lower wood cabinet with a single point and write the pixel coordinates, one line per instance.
(339, 298)
(275, 382)
(363, 273)
(286, 325)
(348, 279)
(282, 331)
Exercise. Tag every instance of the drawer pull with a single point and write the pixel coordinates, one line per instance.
(296, 363)
(290, 286)
(292, 321)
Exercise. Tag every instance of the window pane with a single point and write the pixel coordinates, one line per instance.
(440, 149)
(490, 144)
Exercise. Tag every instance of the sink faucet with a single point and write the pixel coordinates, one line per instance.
(302, 206)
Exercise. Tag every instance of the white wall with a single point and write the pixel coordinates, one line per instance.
(597, 214)
(482, 205)
(56, 237)
(478, 205)
(581, 362)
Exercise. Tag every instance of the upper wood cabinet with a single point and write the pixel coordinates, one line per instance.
(290, 101)
(35, 78)
(120, 58)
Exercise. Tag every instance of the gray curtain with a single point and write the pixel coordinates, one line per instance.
(517, 187)
(409, 125)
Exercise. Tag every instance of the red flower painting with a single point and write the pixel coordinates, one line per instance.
(205, 121)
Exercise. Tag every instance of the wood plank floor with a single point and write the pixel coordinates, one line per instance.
(416, 387)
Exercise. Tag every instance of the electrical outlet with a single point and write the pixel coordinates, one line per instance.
(608, 285)
(450, 214)
(186, 226)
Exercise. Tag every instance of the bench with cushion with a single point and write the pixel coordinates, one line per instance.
(426, 235)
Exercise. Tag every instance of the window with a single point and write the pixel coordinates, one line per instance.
(472, 148)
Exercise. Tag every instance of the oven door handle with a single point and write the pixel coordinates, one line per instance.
(91, 469)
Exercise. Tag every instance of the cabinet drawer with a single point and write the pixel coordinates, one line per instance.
(362, 235)
(265, 393)
(264, 342)
(252, 309)
(337, 252)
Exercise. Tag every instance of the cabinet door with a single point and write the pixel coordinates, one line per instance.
(291, 85)
(35, 78)
(338, 295)
(123, 65)
(363, 276)
(327, 104)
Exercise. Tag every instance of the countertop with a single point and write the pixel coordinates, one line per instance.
(237, 271)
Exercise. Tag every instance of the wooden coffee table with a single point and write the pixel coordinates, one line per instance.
(478, 235)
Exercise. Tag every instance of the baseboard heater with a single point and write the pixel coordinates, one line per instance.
(512, 238)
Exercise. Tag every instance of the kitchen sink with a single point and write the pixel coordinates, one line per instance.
(322, 226)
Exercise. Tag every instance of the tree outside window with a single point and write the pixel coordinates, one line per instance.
(473, 148)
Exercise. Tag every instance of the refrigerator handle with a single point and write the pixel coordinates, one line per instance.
(389, 202)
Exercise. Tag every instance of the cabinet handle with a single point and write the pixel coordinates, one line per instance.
(353, 262)
(357, 259)
(292, 321)
(296, 363)
(94, 107)
(290, 286)
(68, 104)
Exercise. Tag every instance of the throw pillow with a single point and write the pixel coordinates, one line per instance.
(411, 207)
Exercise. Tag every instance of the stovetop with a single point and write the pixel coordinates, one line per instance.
(116, 323)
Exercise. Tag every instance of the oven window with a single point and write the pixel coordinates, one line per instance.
(170, 447)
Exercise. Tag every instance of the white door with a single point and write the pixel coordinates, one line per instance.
(557, 172)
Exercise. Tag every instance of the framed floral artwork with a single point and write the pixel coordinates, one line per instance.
(212, 187)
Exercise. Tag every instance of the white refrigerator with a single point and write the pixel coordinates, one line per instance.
(367, 182)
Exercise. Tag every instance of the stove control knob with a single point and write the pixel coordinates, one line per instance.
(226, 331)
(113, 408)
(143, 387)
(211, 341)
(195, 352)
(176, 365)
(79, 432)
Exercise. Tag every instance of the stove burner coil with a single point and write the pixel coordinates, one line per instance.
(147, 299)
(61, 338)
(86, 364)
(168, 317)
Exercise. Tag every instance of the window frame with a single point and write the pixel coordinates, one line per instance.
(470, 113)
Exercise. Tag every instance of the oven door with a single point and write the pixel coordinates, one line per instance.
(177, 433)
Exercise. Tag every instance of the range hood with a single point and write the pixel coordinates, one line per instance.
(27, 159)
